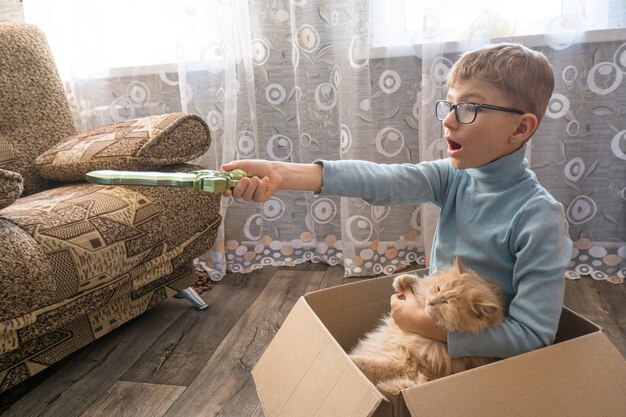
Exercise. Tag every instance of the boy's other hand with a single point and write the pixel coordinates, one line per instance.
(410, 317)
(262, 182)
(404, 307)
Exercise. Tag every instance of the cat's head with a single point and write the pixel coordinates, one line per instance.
(460, 300)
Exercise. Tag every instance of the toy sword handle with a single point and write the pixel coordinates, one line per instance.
(204, 180)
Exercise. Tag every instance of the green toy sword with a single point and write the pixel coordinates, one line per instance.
(203, 180)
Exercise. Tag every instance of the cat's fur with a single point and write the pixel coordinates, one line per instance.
(457, 300)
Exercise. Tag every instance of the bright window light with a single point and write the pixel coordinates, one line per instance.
(412, 22)
(457, 12)
(90, 37)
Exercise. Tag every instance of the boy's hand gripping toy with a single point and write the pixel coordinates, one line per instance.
(203, 180)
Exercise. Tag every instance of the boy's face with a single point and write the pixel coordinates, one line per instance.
(489, 137)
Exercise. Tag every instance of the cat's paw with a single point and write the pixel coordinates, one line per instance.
(360, 361)
(422, 379)
(404, 282)
(367, 366)
(395, 386)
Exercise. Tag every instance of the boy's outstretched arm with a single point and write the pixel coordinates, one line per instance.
(267, 177)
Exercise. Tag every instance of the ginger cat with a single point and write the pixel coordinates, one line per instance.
(457, 300)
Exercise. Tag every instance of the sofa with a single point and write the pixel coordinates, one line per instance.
(77, 260)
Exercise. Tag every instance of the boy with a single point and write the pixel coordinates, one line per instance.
(494, 214)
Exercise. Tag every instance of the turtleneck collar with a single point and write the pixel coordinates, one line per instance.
(502, 169)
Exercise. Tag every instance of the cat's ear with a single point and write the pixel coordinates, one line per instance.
(458, 265)
(484, 308)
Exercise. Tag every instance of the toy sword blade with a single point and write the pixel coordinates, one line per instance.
(204, 180)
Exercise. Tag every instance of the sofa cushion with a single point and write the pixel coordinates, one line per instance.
(11, 187)
(26, 280)
(97, 237)
(140, 144)
(34, 112)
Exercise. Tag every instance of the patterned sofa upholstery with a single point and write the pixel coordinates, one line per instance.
(76, 259)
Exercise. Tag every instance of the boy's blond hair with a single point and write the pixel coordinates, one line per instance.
(523, 75)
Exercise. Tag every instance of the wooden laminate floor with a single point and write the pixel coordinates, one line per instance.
(175, 361)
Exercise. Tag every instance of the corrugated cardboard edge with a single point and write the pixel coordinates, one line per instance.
(582, 377)
(573, 325)
(348, 311)
(304, 372)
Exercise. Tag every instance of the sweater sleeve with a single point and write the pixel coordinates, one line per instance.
(387, 184)
(541, 245)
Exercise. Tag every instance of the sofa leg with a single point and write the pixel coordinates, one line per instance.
(193, 297)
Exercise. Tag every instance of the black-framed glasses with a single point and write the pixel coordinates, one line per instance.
(466, 112)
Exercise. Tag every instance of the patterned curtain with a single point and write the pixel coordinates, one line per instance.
(296, 80)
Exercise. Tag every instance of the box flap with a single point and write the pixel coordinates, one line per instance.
(351, 310)
(304, 372)
(585, 376)
(572, 325)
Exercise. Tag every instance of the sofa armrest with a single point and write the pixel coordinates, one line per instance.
(142, 144)
(11, 187)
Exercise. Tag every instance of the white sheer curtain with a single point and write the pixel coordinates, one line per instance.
(298, 80)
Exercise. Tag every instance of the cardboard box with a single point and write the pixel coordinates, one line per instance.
(305, 370)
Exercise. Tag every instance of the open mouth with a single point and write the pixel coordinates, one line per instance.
(452, 145)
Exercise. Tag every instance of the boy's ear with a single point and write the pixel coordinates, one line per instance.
(525, 129)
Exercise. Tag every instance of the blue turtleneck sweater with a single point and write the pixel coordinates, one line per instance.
(502, 224)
